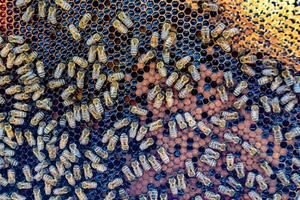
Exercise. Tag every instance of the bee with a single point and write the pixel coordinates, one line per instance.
(261, 182)
(173, 185)
(163, 196)
(219, 28)
(85, 112)
(287, 97)
(170, 41)
(290, 105)
(49, 179)
(59, 70)
(52, 15)
(282, 177)
(11, 176)
(125, 19)
(90, 155)
(13, 89)
(208, 160)
(194, 73)
(153, 92)
(230, 137)
(190, 120)
(141, 133)
(270, 71)
(6, 49)
(276, 196)
(165, 30)
(166, 56)
(75, 33)
(169, 98)
(212, 196)
(154, 39)
(181, 63)
(87, 170)
(29, 137)
(123, 194)
(116, 76)
(248, 59)
(296, 179)
(283, 89)
(61, 191)
(205, 180)
(189, 166)
(181, 82)
(154, 126)
(128, 173)
(248, 70)
(16, 121)
(144, 58)
(265, 102)
(212, 154)
(154, 163)
(266, 167)
(181, 181)
(205, 34)
(89, 185)
(121, 123)
(204, 128)
(225, 46)
(296, 86)
(45, 104)
(83, 22)
(255, 113)
(288, 77)
(250, 180)
(4, 80)
(146, 144)
(264, 80)
(210, 7)
(80, 194)
(101, 152)
(54, 172)
(84, 137)
(16, 196)
(112, 143)
(102, 57)
(50, 126)
(226, 190)
(153, 194)
(71, 69)
(136, 168)
(240, 102)
(10, 60)
(162, 70)
(100, 81)
(240, 87)
(229, 82)
(162, 152)
(218, 121)
(21, 49)
(185, 91)
(229, 33)
(107, 99)
(114, 86)
(230, 115)
(133, 129)
(117, 182)
(277, 134)
(2, 101)
(134, 46)
(107, 135)
(111, 195)
(234, 184)
(94, 39)
(77, 172)
(17, 39)
(37, 94)
(56, 83)
(172, 78)
(144, 162)
(158, 101)
(40, 143)
(68, 92)
(119, 26)
(37, 193)
(240, 170)
(180, 121)
(124, 142)
(28, 14)
(52, 151)
(249, 148)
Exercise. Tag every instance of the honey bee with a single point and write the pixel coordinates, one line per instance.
(181, 82)
(6, 49)
(208, 160)
(180, 121)
(194, 73)
(266, 167)
(296, 86)
(240, 87)
(107, 99)
(13, 89)
(212, 196)
(59, 70)
(90, 155)
(85, 112)
(250, 180)
(219, 28)
(282, 177)
(128, 173)
(170, 41)
(230, 115)
(125, 19)
(111, 195)
(133, 129)
(71, 69)
(56, 83)
(226, 190)
(205, 180)
(173, 185)
(205, 34)
(189, 166)
(158, 101)
(45, 104)
(121, 123)
(283, 89)
(153, 194)
(77, 172)
(190, 120)
(107, 135)
(98, 106)
(185, 91)
(229, 33)
(248, 70)
(89, 185)
(6, 80)
(212, 154)
(144, 162)
(114, 86)
(288, 77)
(287, 98)
(153, 92)
(210, 7)
(136, 168)
(277, 134)
(144, 58)
(16, 196)
(134, 46)
(119, 26)
(146, 144)
(101, 152)
(261, 182)
(117, 182)
(290, 105)
(232, 138)
(169, 98)
(100, 81)
(240, 102)
(265, 102)
(162, 70)
(62, 191)
(166, 56)
(37, 193)
(84, 137)
(94, 39)
(21, 49)
(68, 92)
(154, 39)
(264, 80)
(52, 15)
(181, 63)
(270, 71)
(50, 126)
(54, 172)
(234, 184)
(165, 30)
(296, 179)
(28, 14)
(87, 170)
(249, 148)
(240, 170)
(124, 142)
(138, 111)
(141, 133)
(74, 33)
(218, 121)
(10, 60)
(80, 194)
(154, 126)
(154, 163)
(2, 101)
(40, 143)
(276, 196)
(17, 39)
(204, 128)
(29, 137)
(116, 76)
(83, 22)
(228, 79)
(37, 94)
(162, 152)
(102, 57)
(112, 143)
(248, 59)
(225, 46)
(11, 176)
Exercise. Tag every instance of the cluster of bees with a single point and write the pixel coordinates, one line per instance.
(23, 73)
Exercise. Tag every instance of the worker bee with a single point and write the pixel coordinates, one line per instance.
(240, 87)
(219, 28)
(107, 99)
(50, 126)
(229, 82)
(205, 34)
(124, 142)
(4, 80)
(170, 41)
(189, 166)
(264, 80)
(138, 111)
(45, 104)
(190, 120)
(6, 49)
(185, 91)
(165, 30)
(80, 61)
(68, 92)
(134, 46)
(107, 135)
(250, 180)
(171, 79)
(89, 185)
(77, 172)
(144, 58)
(205, 180)
(229, 33)
(162, 70)
(296, 179)
(21, 49)
(249, 148)
(162, 152)
(276, 83)
(136, 168)
(154, 163)
(98, 106)
(17, 113)
(83, 22)
(180, 121)
(234, 184)
(232, 138)
(28, 14)
(128, 173)
(91, 156)
(42, 9)
(154, 39)
(19, 137)
(210, 7)
(84, 137)
(158, 101)
(144, 162)
(198, 197)
(125, 19)
(296, 86)
(119, 26)
(283, 89)
(74, 32)
(96, 71)
(230, 115)
(261, 182)
(277, 134)
(146, 144)
(71, 69)
(114, 86)
(153, 194)
(194, 73)
(212, 154)
(173, 185)
(226, 190)
(208, 160)
(63, 4)
(52, 15)
(166, 56)
(121, 123)
(100, 81)
(17, 39)
(265, 102)
(282, 177)
(181, 63)
(101, 152)
(117, 182)
(240, 170)
(270, 71)
(255, 112)
(29, 138)
(85, 112)
(181, 82)
(204, 128)
(11, 176)
(112, 143)
(266, 167)
(102, 57)
(153, 92)
(287, 97)
(218, 121)
(92, 54)
(240, 102)
(27, 173)
(59, 70)
(111, 195)
(13, 89)
(133, 129)
(87, 170)
(248, 70)
(10, 60)
(80, 193)
(93, 39)
(169, 98)
(225, 46)
(290, 105)
(288, 77)
(56, 83)
(61, 191)
(116, 76)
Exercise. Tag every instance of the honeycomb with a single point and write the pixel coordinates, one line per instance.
(130, 99)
